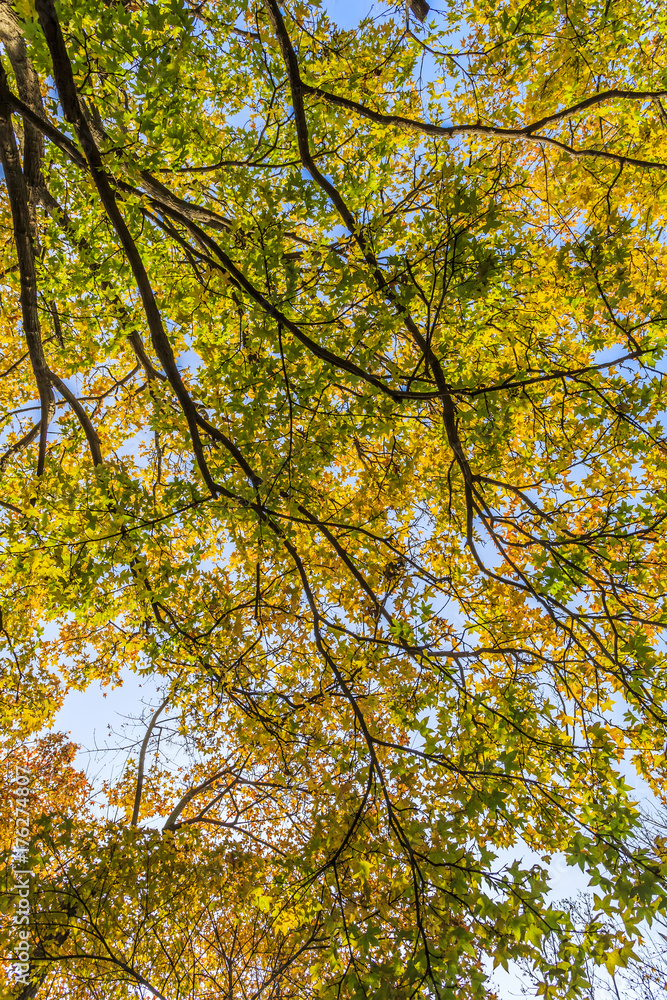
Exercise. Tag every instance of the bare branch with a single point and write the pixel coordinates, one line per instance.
(142, 760)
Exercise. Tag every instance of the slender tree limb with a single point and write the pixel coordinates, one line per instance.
(69, 99)
(448, 407)
(19, 445)
(142, 760)
(244, 284)
(170, 822)
(84, 419)
(527, 132)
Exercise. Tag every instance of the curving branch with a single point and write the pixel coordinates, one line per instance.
(142, 760)
(84, 419)
(64, 78)
(170, 822)
(383, 285)
(19, 445)
(528, 132)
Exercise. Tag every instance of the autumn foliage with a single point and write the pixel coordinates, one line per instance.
(332, 401)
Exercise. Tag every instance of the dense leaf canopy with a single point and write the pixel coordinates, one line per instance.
(332, 400)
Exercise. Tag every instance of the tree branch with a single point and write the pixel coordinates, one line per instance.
(84, 419)
(20, 207)
(142, 761)
(526, 132)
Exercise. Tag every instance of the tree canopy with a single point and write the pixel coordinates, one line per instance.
(332, 400)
